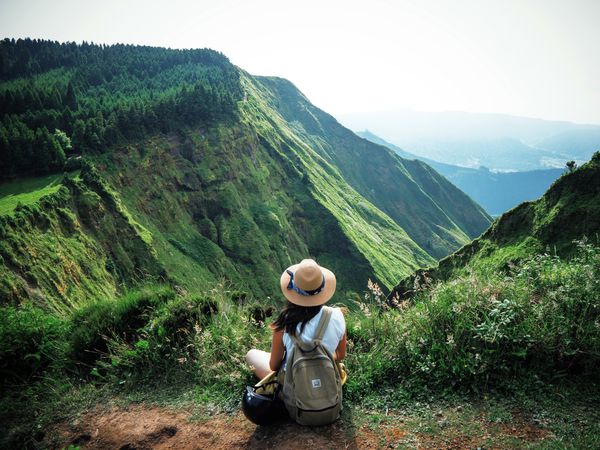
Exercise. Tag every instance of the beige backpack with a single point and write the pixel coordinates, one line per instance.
(312, 388)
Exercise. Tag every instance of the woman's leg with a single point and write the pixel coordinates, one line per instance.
(259, 362)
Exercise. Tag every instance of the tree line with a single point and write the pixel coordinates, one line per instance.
(62, 99)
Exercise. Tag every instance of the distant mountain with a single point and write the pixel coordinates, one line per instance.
(497, 141)
(579, 143)
(569, 210)
(497, 192)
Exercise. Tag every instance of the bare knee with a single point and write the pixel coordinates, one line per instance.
(249, 355)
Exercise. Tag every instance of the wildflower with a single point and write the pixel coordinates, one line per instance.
(374, 289)
(365, 309)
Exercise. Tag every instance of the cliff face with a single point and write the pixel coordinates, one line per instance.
(75, 245)
(436, 215)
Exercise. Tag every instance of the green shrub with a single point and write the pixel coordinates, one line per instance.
(482, 329)
(96, 323)
(31, 341)
(177, 319)
(202, 338)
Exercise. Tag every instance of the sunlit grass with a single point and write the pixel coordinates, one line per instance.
(26, 191)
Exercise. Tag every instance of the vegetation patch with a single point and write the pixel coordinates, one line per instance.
(482, 333)
(26, 192)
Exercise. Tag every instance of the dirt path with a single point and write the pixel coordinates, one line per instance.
(142, 427)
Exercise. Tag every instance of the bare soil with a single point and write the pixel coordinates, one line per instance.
(149, 427)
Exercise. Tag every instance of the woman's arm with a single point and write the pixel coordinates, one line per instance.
(277, 350)
(340, 351)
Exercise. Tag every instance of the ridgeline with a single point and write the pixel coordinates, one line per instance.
(220, 174)
(152, 197)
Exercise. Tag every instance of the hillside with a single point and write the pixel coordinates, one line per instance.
(223, 176)
(568, 211)
(497, 192)
(150, 199)
(435, 214)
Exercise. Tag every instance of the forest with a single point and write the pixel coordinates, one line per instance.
(61, 100)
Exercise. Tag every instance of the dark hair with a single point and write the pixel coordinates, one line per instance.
(292, 315)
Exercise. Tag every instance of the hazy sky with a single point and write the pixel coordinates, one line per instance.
(533, 58)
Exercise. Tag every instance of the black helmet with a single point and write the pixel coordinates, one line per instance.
(262, 409)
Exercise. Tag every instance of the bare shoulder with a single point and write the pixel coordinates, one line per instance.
(278, 334)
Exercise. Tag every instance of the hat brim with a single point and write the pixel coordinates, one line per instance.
(308, 300)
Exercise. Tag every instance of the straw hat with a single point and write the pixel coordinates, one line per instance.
(307, 283)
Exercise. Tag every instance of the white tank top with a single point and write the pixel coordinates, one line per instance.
(333, 333)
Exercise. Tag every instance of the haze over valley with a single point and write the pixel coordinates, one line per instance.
(501, 143)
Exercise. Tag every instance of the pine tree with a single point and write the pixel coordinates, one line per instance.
(70, 97)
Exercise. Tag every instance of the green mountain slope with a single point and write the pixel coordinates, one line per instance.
(76, 244)
(203, 174)
(434, 213)
(568, 211)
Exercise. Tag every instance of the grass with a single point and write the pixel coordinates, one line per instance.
(27, 191)
(80, 244)
(524, 343)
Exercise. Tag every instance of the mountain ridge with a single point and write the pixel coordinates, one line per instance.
(377, 183)
(219, 188)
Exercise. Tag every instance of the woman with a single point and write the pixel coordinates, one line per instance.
(306, 286)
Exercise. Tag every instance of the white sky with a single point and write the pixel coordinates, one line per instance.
(538, 58)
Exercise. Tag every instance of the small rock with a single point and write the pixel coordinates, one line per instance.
(443, 423)
(459, 408)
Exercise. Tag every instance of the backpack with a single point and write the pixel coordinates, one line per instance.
(312, 387)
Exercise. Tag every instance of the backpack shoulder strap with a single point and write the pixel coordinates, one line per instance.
(301, 345)
(321, 327)
(325, 318)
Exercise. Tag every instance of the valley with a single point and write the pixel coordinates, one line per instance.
(497, 192)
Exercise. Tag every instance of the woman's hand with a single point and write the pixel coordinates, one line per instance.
(277, 350)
